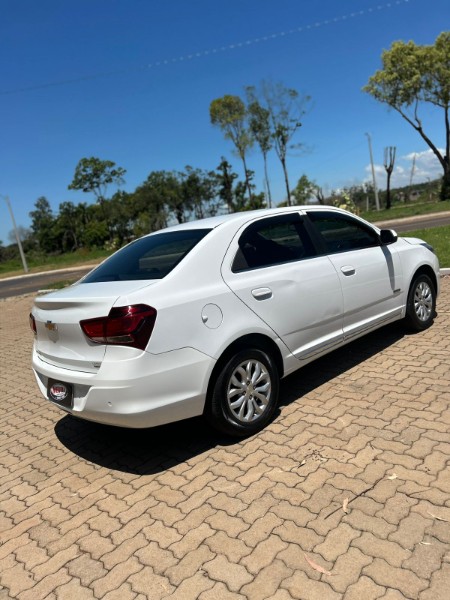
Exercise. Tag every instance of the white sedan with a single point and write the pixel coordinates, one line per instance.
(207, 316)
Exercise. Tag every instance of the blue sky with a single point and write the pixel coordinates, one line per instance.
(131, 81)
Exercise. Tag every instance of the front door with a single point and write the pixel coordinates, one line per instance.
(370, 273)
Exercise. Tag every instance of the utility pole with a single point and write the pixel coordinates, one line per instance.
(413, 169)
(375, 189)
(19, 243)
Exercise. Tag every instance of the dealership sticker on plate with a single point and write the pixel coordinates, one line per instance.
(60, 392)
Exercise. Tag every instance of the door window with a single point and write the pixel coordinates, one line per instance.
(341, 233)
(272, 241)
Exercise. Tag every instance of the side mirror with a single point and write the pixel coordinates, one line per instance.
(388, 236)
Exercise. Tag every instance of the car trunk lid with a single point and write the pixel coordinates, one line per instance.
(60, 340)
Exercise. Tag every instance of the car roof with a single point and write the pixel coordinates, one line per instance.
(243, 217)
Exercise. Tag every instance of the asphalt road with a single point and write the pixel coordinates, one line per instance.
(424, 222)
(33, 283)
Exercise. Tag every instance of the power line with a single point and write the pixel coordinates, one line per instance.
(211, 51)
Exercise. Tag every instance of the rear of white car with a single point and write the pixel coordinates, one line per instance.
(108, 382)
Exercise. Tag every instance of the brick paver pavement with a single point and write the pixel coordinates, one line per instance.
(178, 512)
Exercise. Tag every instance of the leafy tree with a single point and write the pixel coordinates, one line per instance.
(286, 109)
(96, 234)
(360, 194)
(303, 190)
(259, 123)
(69, 225)
(95, 175)
(120, 209)
(42, 226)
(344, 201)
(413, 75)
(230, 115)
(149, 203)
(225, 180)
(199, 191)
(233, 192)
(168, 195)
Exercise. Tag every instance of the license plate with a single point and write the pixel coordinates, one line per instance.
(61, 393)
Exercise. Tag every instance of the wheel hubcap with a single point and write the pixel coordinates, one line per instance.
(249, 390)
(423, 301)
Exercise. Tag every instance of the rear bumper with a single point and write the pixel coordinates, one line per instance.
(144, 391)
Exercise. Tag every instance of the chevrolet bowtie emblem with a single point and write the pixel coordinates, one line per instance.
(51, 326)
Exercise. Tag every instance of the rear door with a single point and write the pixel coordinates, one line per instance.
(272, 266)
(370, 273)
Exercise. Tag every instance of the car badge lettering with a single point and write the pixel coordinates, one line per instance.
(51, 326)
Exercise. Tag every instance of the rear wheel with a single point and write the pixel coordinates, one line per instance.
(421, 305)
(245, 393)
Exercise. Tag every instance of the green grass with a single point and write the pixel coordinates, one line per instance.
(398, 211)
(439, 238)
(50, 263)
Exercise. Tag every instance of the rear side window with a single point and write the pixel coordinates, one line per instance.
(272, 241)
(151, 257)
(341, 233)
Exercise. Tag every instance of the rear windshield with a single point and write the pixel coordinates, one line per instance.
(151, 257)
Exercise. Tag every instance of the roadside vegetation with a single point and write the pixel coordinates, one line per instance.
(40, 262)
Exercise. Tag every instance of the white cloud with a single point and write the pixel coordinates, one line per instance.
(426, 167)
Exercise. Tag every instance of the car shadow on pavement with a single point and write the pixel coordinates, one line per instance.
(138, 451)
(154, 450)
(339, 361)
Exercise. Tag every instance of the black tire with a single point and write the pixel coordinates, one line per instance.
(244, 395)
(421, 304)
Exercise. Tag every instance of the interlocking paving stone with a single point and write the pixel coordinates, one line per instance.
(93, 512)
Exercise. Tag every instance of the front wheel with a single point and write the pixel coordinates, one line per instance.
(421, 304)
(245, 394)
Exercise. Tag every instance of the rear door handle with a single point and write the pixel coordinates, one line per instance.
(262, 293)
(348, 270)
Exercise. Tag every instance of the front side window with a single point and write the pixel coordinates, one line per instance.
(151, 257)
(341, 233)
(272, 241)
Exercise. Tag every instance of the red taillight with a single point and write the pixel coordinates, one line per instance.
(32, 324)
(124, 326)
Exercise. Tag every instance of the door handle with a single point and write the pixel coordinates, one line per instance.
(348, 270)
(262, 293)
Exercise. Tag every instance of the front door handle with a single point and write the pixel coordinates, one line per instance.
(262, 293)
(348, 270)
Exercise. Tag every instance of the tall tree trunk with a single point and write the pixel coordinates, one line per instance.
(247, 179)
(286, 179)
(388, 191)
(445, 185)
(389, 161)
(266, 177)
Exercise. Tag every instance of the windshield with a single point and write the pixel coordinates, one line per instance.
(151, 257)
